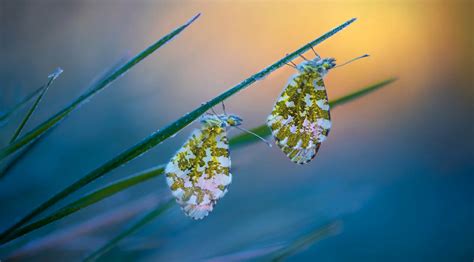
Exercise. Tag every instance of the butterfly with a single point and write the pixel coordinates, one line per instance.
(300, 120)
(199, 174)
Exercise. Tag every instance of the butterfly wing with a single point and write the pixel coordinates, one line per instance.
(300, 119)
(199, 173)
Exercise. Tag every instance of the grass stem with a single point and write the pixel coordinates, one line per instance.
(51, 79)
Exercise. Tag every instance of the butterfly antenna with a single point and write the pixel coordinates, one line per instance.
(352, 60)
(253, 133)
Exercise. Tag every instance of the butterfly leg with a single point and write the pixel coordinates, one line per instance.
(223, 108)
(304, 57)
(291, 62)
(317, 55)
(214, 112)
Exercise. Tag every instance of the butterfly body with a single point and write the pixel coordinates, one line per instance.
(300, 120)
(199, 173)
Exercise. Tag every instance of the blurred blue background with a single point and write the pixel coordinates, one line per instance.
(396, 171)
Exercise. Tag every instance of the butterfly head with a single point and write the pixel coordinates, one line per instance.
(328, 63)
(319, 65)
(221, 120)
(231, 120)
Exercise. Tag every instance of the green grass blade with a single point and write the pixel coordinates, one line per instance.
(51, 79)
(264, 131)
(87, 200)
(306, 241)
(20, 155)
(361, 92)
(134, 228)
(43, 127)
(25, 100)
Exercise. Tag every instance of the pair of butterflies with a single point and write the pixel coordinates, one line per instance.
(199, 173)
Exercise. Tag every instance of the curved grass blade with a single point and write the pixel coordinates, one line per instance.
(39, 130)
(51, 79)
(306, 241)
(25, 100)
(263, 130)
(87, 200)
(236, 141)
(159, 136)
(134, 228)
(43, 127)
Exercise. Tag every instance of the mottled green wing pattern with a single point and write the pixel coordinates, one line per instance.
(300, 119)
(198, 174)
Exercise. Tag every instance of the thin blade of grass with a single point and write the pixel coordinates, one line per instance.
(134, 228)
(20, 127)
(5, 116)
(43, 127)
(305, 241)
(159, 136)
(264, 131)
(24, 151)
(361, 92)
(88, 200)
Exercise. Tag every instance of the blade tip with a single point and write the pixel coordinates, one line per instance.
(193, 18)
